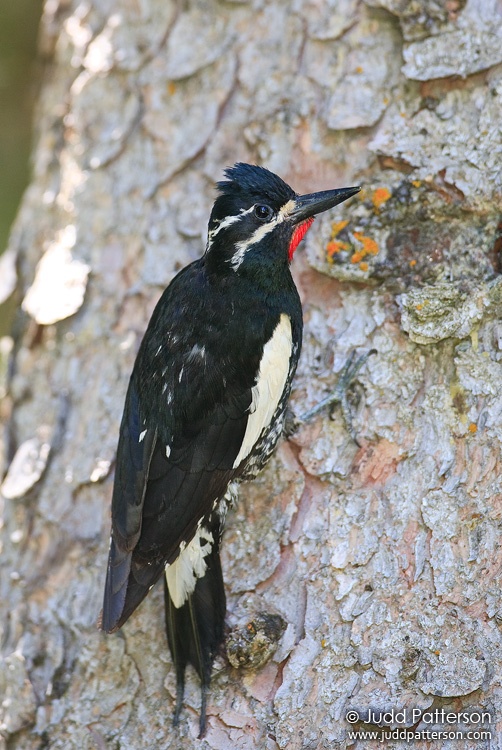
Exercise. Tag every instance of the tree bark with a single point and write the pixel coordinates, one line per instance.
(383, 558)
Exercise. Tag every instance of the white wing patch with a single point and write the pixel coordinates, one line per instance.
(270, 383)
(190, 565)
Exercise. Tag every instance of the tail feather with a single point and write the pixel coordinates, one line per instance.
(126, 586)
(195, 631)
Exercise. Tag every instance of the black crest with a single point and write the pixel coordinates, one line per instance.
(247, 184)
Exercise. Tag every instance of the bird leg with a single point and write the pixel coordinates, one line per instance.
(337, 396)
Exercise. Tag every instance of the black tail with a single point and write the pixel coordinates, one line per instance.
(195, 631)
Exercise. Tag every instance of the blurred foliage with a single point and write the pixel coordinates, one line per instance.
(19, 20)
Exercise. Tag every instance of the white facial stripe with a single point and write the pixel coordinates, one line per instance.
(225, 223)
(260, 233)
(272, 377)
(242, 247)
(228, 221)
(190, 565)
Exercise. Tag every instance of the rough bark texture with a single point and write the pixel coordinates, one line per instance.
(384, 560)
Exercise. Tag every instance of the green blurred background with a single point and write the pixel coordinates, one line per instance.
(19, 76)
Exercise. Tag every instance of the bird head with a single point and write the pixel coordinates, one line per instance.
(258, 220)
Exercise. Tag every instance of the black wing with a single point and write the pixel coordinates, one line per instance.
(173, 462)
(158, 501)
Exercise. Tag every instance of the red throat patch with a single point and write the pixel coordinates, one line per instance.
(298, 235)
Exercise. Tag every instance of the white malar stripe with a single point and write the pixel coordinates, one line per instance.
(182, 574)
(270, 383)
(242, 247)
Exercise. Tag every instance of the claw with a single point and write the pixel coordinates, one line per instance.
(291, 423)
(338, 396)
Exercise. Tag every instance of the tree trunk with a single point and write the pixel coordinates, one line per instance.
(383, 558)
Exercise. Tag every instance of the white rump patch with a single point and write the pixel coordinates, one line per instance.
(270, 383)
(182, 574)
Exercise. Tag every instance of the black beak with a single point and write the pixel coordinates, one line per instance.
(314, 203)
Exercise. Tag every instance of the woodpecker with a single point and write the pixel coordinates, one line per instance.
(204, 410)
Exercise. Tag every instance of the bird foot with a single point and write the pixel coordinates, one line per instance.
(337, 396)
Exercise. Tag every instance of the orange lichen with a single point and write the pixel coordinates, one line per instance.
(336, 246)
(473, 428)
(380, 196)
(418, 307)
(359, 69)
(416, 183)
(413, 263)
(370, 247)
(332, 248)
(171, 87)
(337, 227)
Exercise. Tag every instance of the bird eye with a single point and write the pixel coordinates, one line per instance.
(262, 212)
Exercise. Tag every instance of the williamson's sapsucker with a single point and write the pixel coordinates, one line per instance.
(205, 408)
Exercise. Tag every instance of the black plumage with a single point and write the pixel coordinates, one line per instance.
(204, 409)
